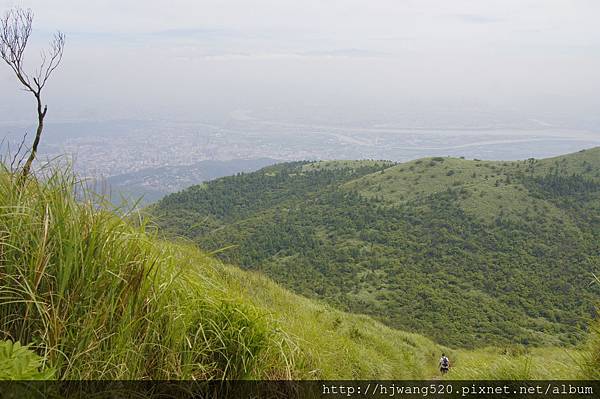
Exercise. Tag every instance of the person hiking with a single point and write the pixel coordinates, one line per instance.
(444, 364)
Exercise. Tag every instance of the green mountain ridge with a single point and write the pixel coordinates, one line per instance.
(470, 253)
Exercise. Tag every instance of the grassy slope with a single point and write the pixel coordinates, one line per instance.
(518, 364)
(100, 298)
(323, 342)
(485, 179)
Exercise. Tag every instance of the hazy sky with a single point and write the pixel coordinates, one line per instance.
(185, 59)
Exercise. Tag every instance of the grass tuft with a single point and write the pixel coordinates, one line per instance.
(98, 297)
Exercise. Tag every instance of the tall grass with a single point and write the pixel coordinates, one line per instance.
(515, 363)
(589, 362)
(99, 297)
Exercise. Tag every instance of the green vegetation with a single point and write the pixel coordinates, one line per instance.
(517, 363)
(590, 357)
(18, 362)
(337, 345)
(97, 296)
(344, 164)
(469, 253)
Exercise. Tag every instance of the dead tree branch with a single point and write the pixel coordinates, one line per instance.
(15, 30)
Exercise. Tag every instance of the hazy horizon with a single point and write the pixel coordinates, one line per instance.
(151, 84)
(350, 60)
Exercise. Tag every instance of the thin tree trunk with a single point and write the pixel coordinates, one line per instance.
(36, 141)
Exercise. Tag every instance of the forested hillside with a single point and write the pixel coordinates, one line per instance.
(468, 252)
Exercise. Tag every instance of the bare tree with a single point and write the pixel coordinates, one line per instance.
(15, 29)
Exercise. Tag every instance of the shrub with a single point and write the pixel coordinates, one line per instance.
(18, 362)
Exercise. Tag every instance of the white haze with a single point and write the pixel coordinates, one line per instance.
(328, 59)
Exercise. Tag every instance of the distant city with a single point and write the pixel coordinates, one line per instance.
(154, 158)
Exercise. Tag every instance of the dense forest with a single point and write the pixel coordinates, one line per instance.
(468, 252)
